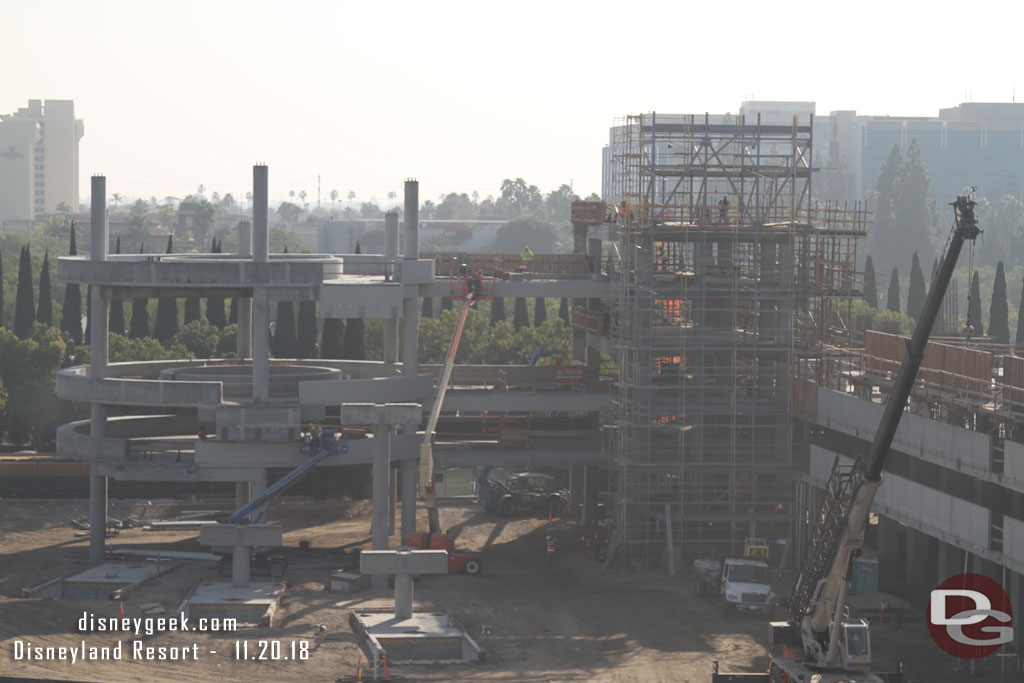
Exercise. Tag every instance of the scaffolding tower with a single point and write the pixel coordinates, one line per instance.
(727, 283)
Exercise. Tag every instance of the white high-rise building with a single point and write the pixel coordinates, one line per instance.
(39, 159)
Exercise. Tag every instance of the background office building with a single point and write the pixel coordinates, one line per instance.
(974, 144)
(39, 159)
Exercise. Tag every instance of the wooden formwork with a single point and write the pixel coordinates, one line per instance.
(953, 370)
(1013, 380)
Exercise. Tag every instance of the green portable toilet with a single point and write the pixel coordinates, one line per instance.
(865, 572)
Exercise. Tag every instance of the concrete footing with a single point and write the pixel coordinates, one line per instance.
(422, 638)
(104, 581)
(252, 605)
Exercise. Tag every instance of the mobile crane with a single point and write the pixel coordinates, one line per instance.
(470, 287)
(818, 642)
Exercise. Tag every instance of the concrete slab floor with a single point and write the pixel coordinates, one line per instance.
(222, 592)
(119, 573)
(421, 624)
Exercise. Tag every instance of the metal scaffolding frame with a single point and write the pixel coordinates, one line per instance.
(726, 283)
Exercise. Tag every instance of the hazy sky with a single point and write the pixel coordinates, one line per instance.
(462, 94)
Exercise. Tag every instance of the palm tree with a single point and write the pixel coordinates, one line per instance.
(117, 197)
(334, 197)
(351, 197)
(302, 196)
(391, 197)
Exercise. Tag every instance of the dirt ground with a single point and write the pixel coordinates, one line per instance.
(573, 623)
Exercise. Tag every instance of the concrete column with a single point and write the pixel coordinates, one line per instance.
(245, 303)
(260, 234)
(381, 472)
(258, 484)
(590, 494)
(240, 566)
(411, 304)
(920, 582)
(98, 342)
(409, 476)
(579, 337)
(576, 487)
(392, 499)
(390, 351)
(260, 345)
(1013, 588)
(391, 233)
(411, 236)
(403, 596)
(410, 335)
(242, 495)
(97, 517)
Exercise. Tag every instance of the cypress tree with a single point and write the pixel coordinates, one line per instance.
(192, 310)
(998, 313)
(1020, 318)
(446, 303)
(892, 302)
(330, 342)
(283, 344)
(307, 330)
(870, 289)
(354, 347)
(563, 312)
(497, 310)
(520, 317)
(117, 305)
(215, 304)
(24, 302)
(166, 311)
(916, 293)
(540, 311)
(140, 316)
(44, 313)
(974, 306)
(428, 307)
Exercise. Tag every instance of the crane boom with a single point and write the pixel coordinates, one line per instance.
(426, 448)
(819, 595)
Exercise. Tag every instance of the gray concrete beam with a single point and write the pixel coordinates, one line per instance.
(190, 273)
(74, 384)
(512, 401)
(375, 390)
(599, 288)
(454, 455)
(251, 454)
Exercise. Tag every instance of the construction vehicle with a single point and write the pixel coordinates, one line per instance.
(819, 643)
(529, 492)
(741, 584)
(319, 444)
(470, 287)
(457, 561)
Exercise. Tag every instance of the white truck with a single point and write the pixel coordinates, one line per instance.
(740, 584)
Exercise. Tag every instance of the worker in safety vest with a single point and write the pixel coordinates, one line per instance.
(527, 258)
(550, 540)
